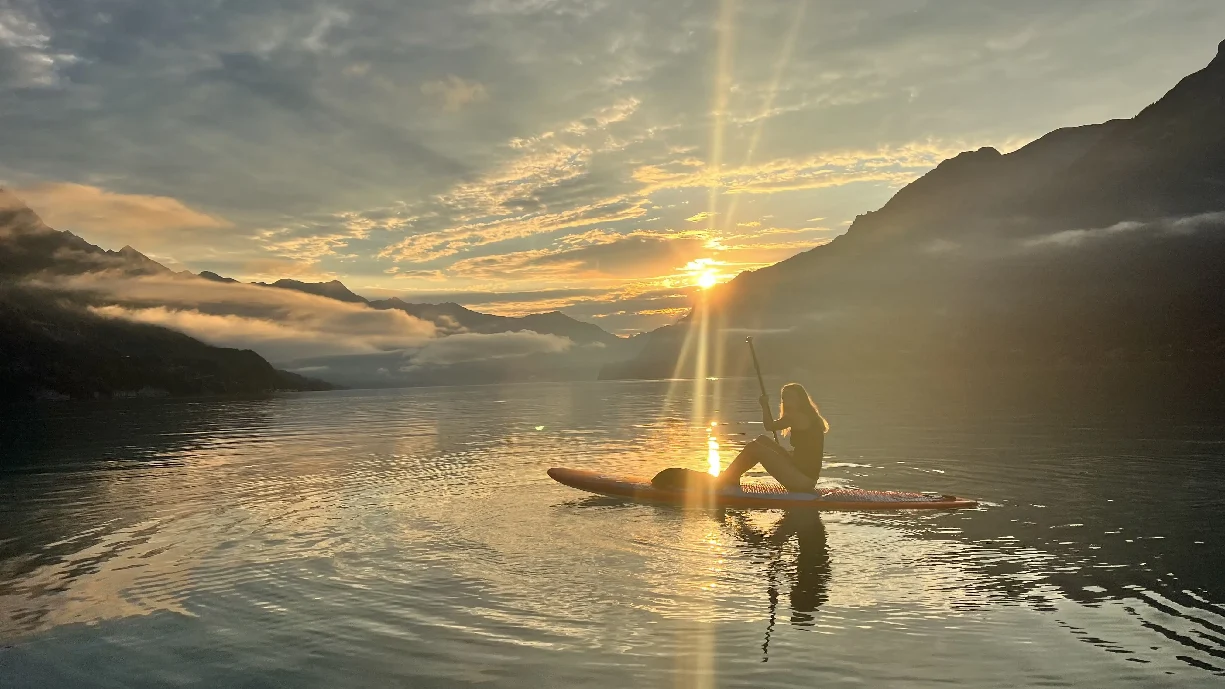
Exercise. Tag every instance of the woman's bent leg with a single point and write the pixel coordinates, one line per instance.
(785, 472)
(774, 459)
(747, 459)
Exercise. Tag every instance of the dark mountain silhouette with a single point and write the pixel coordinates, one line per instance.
(28, 247)
(1095, 243)
(332, 290)
(451, 317)
(1165, 161)
(210, 275)
(53, 348)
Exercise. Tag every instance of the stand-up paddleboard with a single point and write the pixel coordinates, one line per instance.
(754, 496)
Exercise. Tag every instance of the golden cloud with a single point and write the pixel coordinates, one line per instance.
(277, 267)
(429, 246)
(592, 255)
(92, 209)
(280, 324)
(511, 202)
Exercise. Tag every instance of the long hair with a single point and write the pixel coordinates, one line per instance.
(810, 409)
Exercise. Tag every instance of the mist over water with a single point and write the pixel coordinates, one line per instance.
(411, 537)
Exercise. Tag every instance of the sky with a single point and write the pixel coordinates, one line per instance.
(602, 157)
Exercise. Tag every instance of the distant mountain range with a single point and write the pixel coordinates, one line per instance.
(32, 248)
(53, 347)
(452, 318)
(1090, 244)
(55, 343)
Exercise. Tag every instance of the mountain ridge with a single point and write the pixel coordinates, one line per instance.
(1089, 242)
(33, 248)
(54, 348)
(35, 258)
(452, 318)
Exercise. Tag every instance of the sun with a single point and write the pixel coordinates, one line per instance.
(704, 272)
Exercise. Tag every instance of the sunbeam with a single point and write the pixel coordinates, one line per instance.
(780, 67)
(703, 637)
(723, 86)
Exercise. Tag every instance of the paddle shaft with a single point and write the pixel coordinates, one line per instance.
(760, 383)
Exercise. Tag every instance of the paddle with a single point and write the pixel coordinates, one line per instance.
(772, 589)
(761, 383)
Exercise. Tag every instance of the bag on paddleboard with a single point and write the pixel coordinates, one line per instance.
(677, 479)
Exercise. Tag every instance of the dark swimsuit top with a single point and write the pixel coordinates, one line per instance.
(809, 445)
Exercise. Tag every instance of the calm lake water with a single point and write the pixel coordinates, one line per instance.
(411, 538)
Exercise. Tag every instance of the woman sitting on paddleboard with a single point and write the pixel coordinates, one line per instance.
(798, 469)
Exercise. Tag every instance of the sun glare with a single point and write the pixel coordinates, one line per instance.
(704, 272)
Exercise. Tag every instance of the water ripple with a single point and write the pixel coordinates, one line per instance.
(325, 538)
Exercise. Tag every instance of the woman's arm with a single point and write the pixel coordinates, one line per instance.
(772, 424)
(799, 423)
(767, 416)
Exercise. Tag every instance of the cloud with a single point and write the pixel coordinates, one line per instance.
(940, 246)
(894, 164)
(315, 41)
(277, 341)
(503, 302)
(633, 311)
(280, 324)
(1166, 227)
(467, 347)
(517, 201)
(297, 329)
(1077, 237)
(272, 268)
(550, 182)
(454, 93)
(626, 308)
(28, 57)
(751, 250)
(635, 255)
(426, 275)
(81, 207)
(430, 246)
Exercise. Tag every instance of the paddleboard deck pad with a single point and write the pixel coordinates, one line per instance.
(756, 496)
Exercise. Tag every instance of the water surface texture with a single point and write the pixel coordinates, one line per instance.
(411, 538)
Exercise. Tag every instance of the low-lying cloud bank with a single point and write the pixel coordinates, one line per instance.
(277, 341)
(1170, 227)
(279, 324)
(300, 331)
(466, 347)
